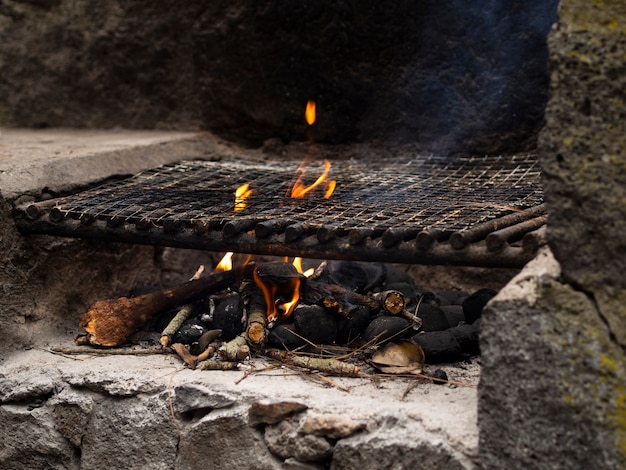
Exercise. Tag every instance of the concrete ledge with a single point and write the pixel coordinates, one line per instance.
(59, 160)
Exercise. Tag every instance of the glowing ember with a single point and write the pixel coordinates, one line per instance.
(299, 190)
(242, 193)
(309, 112)
(226, 263)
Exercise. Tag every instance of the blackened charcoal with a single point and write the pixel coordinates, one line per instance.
(189, 332)
(433, 318)
(468, 337)
(474, 304)
(386, 327)
(285, 337)
(315, 324)
(396, 275)
(228, 316)
(454, 314)
(357, 276)
(438, 346)
(353, 325)
(277, 273)
(452, 297)
(440, 377)
(429, 298)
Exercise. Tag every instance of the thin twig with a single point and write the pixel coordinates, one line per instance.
(111, 352)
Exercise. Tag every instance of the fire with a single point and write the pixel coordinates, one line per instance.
(309, 112)
(242, 193)
(226, 263)
(270, 293)
(299, 190)
(297, 262)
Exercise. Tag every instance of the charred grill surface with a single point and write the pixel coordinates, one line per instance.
(427, 209)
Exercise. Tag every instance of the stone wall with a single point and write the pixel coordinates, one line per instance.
(451, 77)
(552, 391)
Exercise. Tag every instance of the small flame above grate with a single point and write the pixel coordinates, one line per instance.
(483, 211)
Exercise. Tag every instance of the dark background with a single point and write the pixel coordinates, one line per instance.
(450, 77)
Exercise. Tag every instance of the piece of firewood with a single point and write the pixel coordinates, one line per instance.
(327, 366)
(218, 365)
(341, 294)
(392, 301)
(174, 324)
(236, 349)
(257, 320)
(112, 322)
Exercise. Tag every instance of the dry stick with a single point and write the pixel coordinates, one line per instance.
(345, 294)
(257, 320)
(112, 322)
(331, 382)
(329, 366)
(218, 365)
(208, 352)
(185, 355)
(174, 324)
(110, 352)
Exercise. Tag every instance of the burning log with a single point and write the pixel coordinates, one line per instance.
(327, 366)
(112, 322)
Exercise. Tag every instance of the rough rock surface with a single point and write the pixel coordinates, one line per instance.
(553, 374)
(583, 148)
(454, 77)
(553, 340)
(171, 417)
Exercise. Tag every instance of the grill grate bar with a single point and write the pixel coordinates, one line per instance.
(405, 210)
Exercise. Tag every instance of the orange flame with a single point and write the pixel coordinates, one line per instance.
(270, 292)
(309, 112)
(226, 263)
(297, 262)
(299, 190)
(242, 193)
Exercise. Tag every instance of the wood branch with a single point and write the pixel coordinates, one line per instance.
(341, 294)
(111, 352)
(409, 316)
(257, 320)
(112, 322)
(236, 349)
(208, 351)
(327, 366)
(174, 324)
(185, 355)
(392, 301)
(204, 341)
(218, 365)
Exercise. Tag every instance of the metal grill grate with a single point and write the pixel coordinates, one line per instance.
(421, 210)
